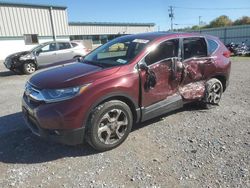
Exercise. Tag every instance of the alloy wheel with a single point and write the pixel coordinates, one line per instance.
(30, 68)
(113, 126)
(214, 94)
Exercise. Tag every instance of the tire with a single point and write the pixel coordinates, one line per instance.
(78, 58)
(213, 93)
(104, 132)
(29, 68)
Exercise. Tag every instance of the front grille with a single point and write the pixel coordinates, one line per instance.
(29, 90)
(8, 62)
(32, 102)
(32, 123)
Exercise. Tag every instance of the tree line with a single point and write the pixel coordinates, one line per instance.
(221, 21)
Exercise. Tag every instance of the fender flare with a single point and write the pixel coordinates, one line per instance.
(136, 110)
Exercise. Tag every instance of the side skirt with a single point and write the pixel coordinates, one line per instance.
(171, 103)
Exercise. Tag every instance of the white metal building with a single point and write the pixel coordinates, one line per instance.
(236, 34)
(22, 26)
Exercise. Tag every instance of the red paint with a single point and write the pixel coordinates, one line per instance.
(123, 81)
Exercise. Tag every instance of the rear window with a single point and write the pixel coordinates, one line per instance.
(212, 46)
(194, 47)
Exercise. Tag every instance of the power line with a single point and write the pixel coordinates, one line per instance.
(183, 24)
(203, 8)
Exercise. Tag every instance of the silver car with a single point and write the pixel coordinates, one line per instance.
(45, 55)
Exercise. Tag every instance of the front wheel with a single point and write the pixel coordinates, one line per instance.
(109, 125)
(29, 68)
(213, 92)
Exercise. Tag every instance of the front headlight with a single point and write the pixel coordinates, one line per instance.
(55, 95)
(26, 57)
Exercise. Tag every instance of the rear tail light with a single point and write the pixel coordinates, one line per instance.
(227, 54)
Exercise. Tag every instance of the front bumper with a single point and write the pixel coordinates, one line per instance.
(8, 63)
(72, 136)
(12, 63)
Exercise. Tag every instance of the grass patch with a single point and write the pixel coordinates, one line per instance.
(240, 59)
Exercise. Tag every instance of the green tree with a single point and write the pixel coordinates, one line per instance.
(242, 21)
(221, 21)
(195, 27)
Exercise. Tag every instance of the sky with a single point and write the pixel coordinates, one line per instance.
(186, 12)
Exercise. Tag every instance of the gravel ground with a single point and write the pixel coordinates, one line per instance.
(187, 148)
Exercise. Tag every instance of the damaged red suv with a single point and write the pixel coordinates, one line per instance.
(126, 81)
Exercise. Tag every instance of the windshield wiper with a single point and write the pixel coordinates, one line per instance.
(93, 63)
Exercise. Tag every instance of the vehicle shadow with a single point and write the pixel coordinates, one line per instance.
(19, 145)
(8, 73)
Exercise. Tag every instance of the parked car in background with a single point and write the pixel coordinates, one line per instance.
(44, 55)
(126, 81)
(232, 47)
(242, 49)
(238, 49)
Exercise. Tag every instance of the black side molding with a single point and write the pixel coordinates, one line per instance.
(171, 103)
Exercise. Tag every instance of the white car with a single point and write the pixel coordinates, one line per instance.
(45, 55)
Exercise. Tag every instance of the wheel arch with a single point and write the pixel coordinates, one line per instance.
(116, 96)
(223, 80)
(31, 61)
(76, 56)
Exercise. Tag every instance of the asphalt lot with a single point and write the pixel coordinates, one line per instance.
(190, 147)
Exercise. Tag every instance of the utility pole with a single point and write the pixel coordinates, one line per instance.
(171, 16)
(52, 23)
(200, 23)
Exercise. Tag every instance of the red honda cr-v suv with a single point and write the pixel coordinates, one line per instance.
(128, 80)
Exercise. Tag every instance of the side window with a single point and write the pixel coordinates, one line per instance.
(212, 46)
(194, 47)
(64, 45)
(165, 50)
(49, 47)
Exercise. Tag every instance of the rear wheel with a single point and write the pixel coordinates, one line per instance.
(109, 125)
(214, 90)
(29, 68)
(77, 58)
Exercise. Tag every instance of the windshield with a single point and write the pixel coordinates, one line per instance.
(38, 47)
(117, 52)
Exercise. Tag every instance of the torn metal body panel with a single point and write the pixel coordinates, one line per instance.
(192, 86)
(193, 91)
(193, 71)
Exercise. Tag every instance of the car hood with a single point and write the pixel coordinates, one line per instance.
(19, 54)
(70, 75)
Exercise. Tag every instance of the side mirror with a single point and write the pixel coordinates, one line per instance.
(150, 77)
(144, 67)
(38, 52)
